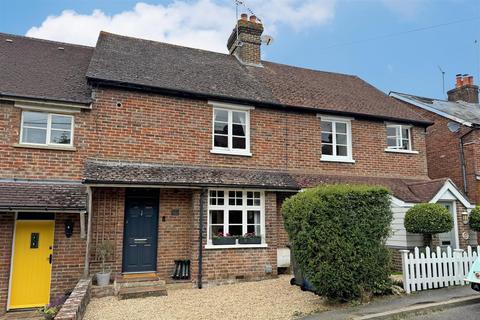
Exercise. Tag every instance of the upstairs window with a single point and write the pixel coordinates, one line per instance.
(336, 139)
(231, 131)
(40, 128)
(399, 137)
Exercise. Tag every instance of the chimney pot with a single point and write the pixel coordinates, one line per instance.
(244, 16)
(470, 80)
(253, 18)
(459, 81)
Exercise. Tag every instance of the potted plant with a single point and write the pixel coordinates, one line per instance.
(223, 239)
(49, 311)
(250, 238)
(104, 250)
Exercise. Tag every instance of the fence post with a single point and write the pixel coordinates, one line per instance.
(406, 284)
(457, 253)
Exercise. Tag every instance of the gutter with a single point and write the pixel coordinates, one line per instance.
(46, 101)
(223, 98)
(462, 159)
(86, 269)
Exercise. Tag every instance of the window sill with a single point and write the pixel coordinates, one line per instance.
(236, 246)
(401, 151)
(232, 153)
(336, 159)
(47, 147)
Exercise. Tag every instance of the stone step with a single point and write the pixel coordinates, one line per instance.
(141, 292)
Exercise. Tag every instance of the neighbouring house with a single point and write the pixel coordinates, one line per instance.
(158, 148)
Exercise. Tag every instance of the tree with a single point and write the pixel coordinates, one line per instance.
(337, 235)
(428, 219)
(474, 219)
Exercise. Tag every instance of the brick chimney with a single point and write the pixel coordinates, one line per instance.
(464, 90)
(247, 47)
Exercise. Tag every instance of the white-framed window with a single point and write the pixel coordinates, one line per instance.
(48, 129)
(235, 213)
(336, 139)
(231, 129)
(399, 137)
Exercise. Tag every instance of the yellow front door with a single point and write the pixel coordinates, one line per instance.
(31, 267)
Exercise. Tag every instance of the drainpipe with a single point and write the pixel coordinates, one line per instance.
(200, 237)
(462, 160)
(86, 270)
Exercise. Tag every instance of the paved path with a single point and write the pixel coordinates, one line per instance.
(471, 312)
(396, 302)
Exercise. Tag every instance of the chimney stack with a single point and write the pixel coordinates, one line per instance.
(464, 89)
(246, 47)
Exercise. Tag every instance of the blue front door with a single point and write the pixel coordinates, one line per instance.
(141, 227)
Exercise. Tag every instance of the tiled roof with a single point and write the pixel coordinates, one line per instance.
(42, 196)
(135, 62)
(111, 172)
(125, 173)
(463, 112)
(34, 68)
(408, 190)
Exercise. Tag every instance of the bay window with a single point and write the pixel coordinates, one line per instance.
(236, 213)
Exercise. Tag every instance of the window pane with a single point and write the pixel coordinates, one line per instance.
(35, 119)
(235, 217)
(221, 115)
(253, 217)
(216, 216)
(391, 131)
(405, 133)
(235, 230)
(327, 149)
(341, 127)
(405, 144)
(239, 117)
(60, 122)
(221, 127)
(235, 198)
(221, 141)
(239, 143)
(60, 137)
(342, 151)
(391, 142)
(239, 130)
(327, 137)
(34, 135)
(342, 139)
(216, 230)
(254, 229)
(326, 126)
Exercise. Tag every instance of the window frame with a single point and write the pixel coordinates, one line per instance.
(230, 108)
(399, 129)
(226, 207)
(335, 158)
(49, 129)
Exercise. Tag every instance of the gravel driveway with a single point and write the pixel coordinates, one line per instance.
(268, 299)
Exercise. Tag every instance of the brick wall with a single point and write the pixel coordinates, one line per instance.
(282, 236)
(154, 128)
(6, 236)
(68, 256)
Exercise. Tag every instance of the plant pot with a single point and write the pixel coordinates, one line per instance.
(223, 241)
(103, 278)
(250, 240)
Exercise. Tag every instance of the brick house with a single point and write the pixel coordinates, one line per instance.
(452, 141)
(157, 148)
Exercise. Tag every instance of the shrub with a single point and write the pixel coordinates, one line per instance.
(337, 234)
(474, 219)
(428, 219)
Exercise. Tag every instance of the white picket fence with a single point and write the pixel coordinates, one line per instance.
(436, 269)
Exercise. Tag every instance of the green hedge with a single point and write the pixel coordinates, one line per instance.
(337, 233)
(474, 219)
(428, 218)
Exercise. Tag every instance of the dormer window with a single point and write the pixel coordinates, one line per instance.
(231, 129)
(46, 129)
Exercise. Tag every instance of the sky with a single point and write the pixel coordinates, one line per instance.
(395, 45)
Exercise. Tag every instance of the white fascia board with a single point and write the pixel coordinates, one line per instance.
(449, 186)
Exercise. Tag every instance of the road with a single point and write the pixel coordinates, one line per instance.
(471, 312)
